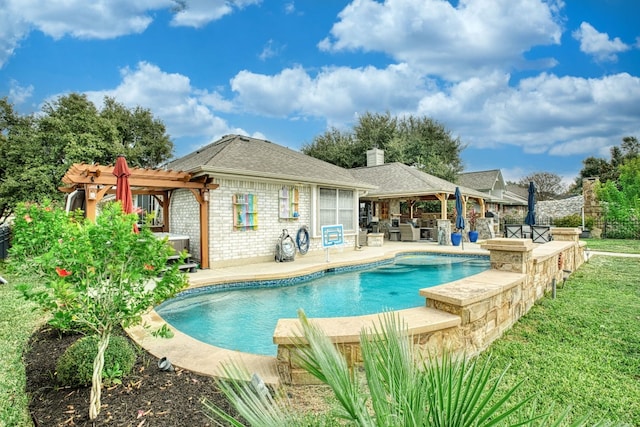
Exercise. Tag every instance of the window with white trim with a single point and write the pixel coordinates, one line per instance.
(336, 206)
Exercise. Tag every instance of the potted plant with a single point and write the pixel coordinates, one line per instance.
(473, 233)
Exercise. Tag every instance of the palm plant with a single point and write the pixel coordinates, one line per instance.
(402, 388)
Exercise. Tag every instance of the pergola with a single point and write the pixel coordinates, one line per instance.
(98, 181)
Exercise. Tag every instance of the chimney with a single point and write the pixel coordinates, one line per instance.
(375, 157)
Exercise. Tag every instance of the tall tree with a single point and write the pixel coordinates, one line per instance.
(36, 151)
(415, 141)
(140, 137)
(24, 175)
(336, 147)
(548, 185)
(608, 170)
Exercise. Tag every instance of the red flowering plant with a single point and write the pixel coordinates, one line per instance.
(98, 275)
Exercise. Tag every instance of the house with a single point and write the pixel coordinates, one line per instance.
(262, 189)
(501, 198)
(230, 201)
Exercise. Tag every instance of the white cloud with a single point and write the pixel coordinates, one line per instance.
(452, 42)
(334, 93)
(12, 30)
(541, 114)
(270, 50)
(198, 13)
(99, 19)
(185, 110)
(289, 8)
(597, 44)
(19, 94)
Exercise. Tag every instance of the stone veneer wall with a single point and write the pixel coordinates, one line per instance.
(559, 208)
(488, 304)
(229, 246)
(292, 373)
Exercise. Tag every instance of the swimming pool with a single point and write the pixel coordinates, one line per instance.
(243, 316)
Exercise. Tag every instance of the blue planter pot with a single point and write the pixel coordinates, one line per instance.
(473, 236)
(456, 238)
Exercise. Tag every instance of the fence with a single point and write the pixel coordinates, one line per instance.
(5, 237)
(623, 229)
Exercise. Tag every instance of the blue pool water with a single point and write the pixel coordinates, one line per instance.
(245, 317)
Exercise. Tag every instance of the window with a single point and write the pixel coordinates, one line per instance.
(288, 203)
(149, 205)
(336, 207)
(245, 212)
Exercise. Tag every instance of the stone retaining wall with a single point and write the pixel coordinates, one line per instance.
(486, 304)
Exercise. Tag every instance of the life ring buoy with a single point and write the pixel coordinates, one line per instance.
(302, 240)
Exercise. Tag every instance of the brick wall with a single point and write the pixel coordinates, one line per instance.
(230, 246)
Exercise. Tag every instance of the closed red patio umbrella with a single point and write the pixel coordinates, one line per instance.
(123, 189)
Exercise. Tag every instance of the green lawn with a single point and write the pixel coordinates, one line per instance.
(626, 246)
(581, 349)
(17, 322)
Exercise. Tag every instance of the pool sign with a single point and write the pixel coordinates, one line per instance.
(332, 235)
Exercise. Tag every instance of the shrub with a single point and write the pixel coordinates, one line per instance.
(75, 366)
(574, 220)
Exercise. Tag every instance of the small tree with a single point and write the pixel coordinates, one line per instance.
(98, 276)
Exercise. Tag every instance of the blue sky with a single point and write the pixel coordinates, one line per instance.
(527, 85)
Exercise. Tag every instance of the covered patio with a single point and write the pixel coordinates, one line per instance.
(93, 182)
(398, 183)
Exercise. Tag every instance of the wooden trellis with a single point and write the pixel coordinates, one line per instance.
(97, 181)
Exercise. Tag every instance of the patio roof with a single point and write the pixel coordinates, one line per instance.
(397, 180)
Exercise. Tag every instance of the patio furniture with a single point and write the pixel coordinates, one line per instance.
(409, 233)
(513, 231)
(540, 233)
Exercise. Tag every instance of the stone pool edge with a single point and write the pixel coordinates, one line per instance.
(186, 352)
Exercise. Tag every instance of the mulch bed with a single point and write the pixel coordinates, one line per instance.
(148, 397)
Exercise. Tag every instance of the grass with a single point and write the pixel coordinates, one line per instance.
(17, 322)
(625, 246)
(581, 349)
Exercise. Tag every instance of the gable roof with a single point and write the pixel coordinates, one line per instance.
(246, 157)
(482, 180)
(397, 180)
(519, 190)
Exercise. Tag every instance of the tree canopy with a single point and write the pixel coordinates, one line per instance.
(622, 197)
(36, 150)
(548, 185)
(416, 141)
(608, 170)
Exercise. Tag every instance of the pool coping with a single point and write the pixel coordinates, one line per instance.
(189, 353)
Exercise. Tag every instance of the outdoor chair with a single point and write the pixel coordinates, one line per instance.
(513, 231)
(409, 233)
(540, 233)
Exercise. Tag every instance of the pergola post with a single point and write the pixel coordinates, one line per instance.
(443, 204)
(202, 196)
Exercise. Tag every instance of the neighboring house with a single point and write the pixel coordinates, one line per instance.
(501, 200)
(263, 188)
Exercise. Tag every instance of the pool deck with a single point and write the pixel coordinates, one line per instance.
(187, 353)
